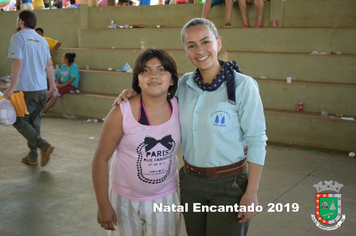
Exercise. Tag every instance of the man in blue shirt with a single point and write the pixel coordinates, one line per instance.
(30, 61)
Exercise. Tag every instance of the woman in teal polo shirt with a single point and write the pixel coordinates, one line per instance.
(67, 81)
(220, 111)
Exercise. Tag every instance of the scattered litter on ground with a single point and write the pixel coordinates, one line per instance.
(5, 78)
(325, 53)
(287, 149)
(319, 53)
(91, 137)
(126, 68)
(126, 26)
(348, 118)
(352, 154)
(72, 116)
(305, 158)
(263, 77)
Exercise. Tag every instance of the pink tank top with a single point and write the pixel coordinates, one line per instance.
(144, 165)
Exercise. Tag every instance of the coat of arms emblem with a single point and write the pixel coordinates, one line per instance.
(328, 206)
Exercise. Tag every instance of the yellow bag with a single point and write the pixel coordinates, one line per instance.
(18, 102)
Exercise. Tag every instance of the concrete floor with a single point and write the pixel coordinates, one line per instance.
(58, 199)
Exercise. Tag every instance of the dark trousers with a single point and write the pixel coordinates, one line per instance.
(30, 125)
(213, 192)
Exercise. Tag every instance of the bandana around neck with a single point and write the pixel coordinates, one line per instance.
(225, 75)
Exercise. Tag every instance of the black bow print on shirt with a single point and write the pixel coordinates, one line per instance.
(165, 141)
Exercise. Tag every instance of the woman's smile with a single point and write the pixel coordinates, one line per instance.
(202, 58)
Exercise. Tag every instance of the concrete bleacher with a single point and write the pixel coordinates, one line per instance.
(323, 82)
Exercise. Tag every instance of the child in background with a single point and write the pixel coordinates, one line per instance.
(142, 135)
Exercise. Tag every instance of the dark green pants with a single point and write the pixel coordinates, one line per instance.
(213, 192)
(30, 125)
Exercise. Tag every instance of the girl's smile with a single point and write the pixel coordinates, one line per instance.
(154, 79)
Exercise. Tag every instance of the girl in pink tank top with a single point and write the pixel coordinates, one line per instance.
(142, 137)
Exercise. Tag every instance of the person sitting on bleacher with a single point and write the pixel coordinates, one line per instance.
(228, 10)
(259, 6)
(52, 44)
(24, 4)
(72, 4)
(67, 81)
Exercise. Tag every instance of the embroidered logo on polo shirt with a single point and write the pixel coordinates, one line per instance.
(220, 118)
(154, 160)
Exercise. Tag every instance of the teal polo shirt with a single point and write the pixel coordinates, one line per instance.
(214, 131)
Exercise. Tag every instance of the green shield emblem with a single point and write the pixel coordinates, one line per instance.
(328, 208)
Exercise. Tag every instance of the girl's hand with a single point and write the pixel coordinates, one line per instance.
(124, 96)
(107, 217)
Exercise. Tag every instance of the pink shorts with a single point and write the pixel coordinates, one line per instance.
(66, 89)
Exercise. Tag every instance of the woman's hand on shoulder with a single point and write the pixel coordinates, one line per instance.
(124, 96)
